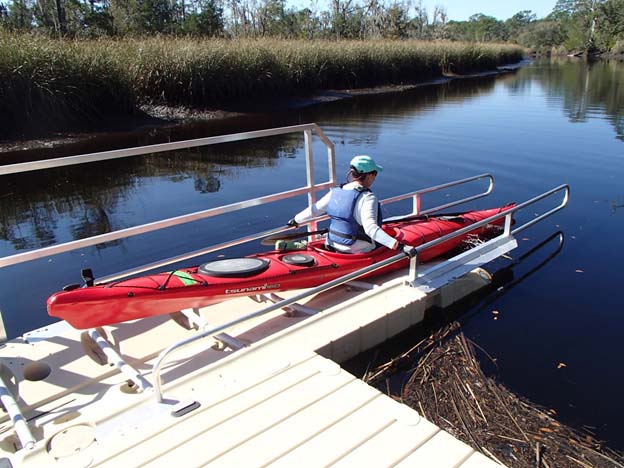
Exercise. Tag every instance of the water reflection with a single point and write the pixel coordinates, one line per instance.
(588, 89)
(506, 274)
(35, 204)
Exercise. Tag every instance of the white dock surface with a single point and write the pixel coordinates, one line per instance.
(309, 414)
(276, 402)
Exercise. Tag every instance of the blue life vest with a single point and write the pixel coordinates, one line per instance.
(343, 228)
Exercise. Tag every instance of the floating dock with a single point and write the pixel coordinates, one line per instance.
(279, 400)
(252, 381)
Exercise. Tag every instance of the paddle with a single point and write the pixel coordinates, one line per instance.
(293, 235)
(300, 234)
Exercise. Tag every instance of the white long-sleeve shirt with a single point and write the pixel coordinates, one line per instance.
(364, 212)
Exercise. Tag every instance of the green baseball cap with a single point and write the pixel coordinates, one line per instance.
(364, 164)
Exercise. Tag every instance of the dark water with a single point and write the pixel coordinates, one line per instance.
(548, 123)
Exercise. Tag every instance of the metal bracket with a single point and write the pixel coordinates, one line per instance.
(292, 309)
(436, 276)
(227, 341)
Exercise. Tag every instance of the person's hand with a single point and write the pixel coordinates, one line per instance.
(292, 223)
(407, 250)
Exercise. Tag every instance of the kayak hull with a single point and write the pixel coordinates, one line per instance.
(169, 292)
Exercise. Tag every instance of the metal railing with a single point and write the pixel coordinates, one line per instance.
(507, 214)
(310, 189)
(19, 422)
(417, 195)
(507, 231)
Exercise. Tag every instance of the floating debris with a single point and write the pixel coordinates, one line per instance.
(447, 386)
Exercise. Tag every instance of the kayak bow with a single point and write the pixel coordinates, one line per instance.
(273, 271)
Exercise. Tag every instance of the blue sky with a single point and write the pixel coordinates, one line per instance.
(461, 10)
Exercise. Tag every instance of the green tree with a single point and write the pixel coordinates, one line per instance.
(396, 22)
(485, 28)
(271, 17)
(519, 23)
(347, 19)
(543, 36)
(206, 19)
(154, 16)
(20, 16)
(124, 14)
(98, 20)
(610, 30)
(420, 22)
(579, 19)
(302, 24)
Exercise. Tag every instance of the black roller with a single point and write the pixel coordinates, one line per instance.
(234, 267)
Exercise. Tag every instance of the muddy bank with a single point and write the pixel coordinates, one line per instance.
(155, 124)
(448, 387)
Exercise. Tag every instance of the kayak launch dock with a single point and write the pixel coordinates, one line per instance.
(248, 382)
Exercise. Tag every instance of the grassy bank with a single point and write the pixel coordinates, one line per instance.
(56, 84)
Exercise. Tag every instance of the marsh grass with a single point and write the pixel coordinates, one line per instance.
(61, 83)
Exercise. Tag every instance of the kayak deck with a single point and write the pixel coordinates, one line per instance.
(211, 283)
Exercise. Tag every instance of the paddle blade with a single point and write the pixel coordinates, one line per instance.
(289, 236)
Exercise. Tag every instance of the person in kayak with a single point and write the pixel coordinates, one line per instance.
(355, 212)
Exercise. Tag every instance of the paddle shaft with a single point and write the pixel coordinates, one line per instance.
(298, 235)
(293, 235)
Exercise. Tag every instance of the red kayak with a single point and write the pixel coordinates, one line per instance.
(272, 271)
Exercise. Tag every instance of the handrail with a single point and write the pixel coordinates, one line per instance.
(19, 423)
(271, 232)
(149, 227)
(310, 189)
(507, 214)
(159, 148)
(156, 369)
(418, 193)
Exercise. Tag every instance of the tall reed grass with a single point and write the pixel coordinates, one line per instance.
(60, 83)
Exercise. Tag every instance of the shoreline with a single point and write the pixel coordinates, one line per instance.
(153, 118)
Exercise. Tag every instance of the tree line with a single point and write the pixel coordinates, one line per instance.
(573, 25)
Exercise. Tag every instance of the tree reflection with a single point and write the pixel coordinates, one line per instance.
(34, 203)
(587, 88)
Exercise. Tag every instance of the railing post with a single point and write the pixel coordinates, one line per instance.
(20, 424)
(331, 154)
(309, 156)
(413, 269)
(508, 221)
(416, 204)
